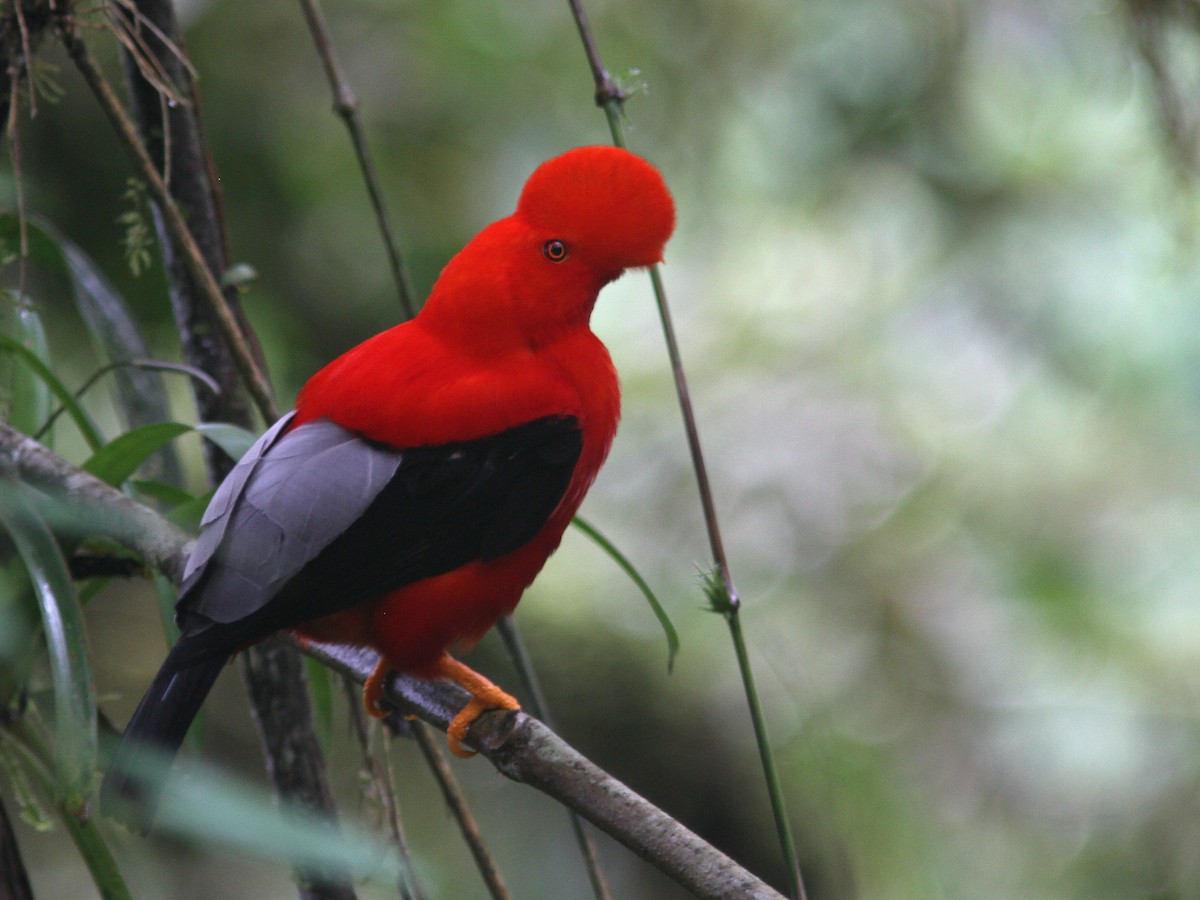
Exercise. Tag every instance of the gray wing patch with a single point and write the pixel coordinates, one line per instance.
(215, 521)
(295, 496)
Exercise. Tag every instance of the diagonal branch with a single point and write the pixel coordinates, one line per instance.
(345, 104)
(181, 235)
(519, 746)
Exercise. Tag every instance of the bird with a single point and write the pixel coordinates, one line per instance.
(424, 476)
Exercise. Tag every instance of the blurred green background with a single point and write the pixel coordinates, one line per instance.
(937, 283)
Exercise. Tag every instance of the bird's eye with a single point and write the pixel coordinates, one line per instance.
(555, 251)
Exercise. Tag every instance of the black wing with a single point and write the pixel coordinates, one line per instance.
(317, 520)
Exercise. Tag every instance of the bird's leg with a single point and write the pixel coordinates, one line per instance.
(373, 689)
(484, 696)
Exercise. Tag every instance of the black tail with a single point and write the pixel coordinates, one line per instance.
(154, 736)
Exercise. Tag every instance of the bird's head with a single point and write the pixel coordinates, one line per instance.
(583, 218)
(602, 204)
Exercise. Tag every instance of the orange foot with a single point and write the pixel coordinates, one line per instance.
(373, 689)
(484, 696)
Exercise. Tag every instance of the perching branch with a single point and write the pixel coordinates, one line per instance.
(519, 746)
(527, 751)
(82, 504)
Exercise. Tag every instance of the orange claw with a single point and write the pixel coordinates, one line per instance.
(484, 696)
(373, 689)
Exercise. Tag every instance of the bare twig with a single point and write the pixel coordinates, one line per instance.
(520, 747)
(457, 802)
(345, 104)
(607, 90)
(527, 751)
(381, 784)
(193, 258)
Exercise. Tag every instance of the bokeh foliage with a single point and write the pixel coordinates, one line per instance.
(936, 280)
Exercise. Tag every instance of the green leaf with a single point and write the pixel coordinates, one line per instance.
(33, 812)
(157, 490)
(66, 641)
(215, 808)
(29, 397)
(627, 567)
(117, 368)
(233, 440)
(30, 753)
(166, 607)
(83, 422)
(121, 457)
(142, 393)
(187, 515)
(162, 365)
(19, 625)
(320, 690)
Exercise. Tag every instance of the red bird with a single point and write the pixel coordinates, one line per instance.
(426, 475)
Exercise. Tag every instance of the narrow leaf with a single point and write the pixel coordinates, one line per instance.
(320, 690)
(148, 364)
(187, 515)
(627, 567)
(19, 624)
(122, 456)
(162, 365)
(240, 276)
(142, 394)
(166, 607)
(29, 397)
(202, 804)
(66, 642)
(83, 422)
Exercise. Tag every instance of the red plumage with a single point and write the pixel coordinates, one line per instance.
(427, 474)
(503, 339)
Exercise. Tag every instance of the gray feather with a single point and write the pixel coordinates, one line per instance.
(215, 521)
(278, 509)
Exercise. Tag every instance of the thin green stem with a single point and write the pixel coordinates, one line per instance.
(610, 98)
(28, 746)
(774, 785)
